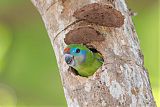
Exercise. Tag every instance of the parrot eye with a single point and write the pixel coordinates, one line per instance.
(77, 50)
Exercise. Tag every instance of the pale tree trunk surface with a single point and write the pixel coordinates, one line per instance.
(122, 80)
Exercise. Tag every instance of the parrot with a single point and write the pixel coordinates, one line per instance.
(84, 60)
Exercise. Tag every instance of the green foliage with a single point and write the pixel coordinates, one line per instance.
(7, 97)
(31, 69)
(5, 41)
(148, 33)
(8, 3)
(147, 30)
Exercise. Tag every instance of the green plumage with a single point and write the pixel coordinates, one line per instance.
(82, 59)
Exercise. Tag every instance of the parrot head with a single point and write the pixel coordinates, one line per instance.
(76, 54)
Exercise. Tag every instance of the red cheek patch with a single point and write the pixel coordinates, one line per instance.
(67, 50)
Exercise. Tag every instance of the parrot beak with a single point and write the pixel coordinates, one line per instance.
(69, 59)
(67, 51)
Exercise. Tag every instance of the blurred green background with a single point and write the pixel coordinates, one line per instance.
(28, 71)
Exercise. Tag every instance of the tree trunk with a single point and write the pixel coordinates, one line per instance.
(122, 80)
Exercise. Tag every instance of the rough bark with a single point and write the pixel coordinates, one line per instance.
(122, 80)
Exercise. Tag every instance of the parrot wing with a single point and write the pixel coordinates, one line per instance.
(99, 57)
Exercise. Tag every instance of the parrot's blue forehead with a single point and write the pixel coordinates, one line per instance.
(73, 51)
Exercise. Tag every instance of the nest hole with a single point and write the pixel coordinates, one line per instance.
(94, 50)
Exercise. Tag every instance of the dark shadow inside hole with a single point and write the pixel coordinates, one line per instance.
(73, 71)
(91, 48)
